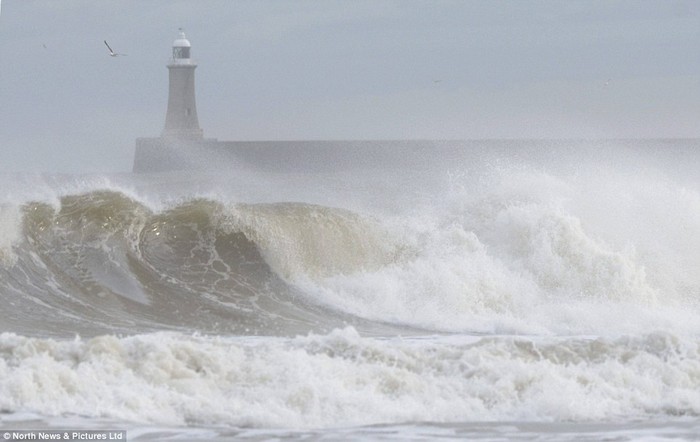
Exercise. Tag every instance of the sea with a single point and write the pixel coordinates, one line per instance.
(499, 290)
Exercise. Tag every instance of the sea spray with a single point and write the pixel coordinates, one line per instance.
(10, 226)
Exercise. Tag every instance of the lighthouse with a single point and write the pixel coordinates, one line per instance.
(181, 122)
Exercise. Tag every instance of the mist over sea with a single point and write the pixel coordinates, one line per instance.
(522, 290)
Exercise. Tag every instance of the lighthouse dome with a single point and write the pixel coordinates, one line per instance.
(181, 41)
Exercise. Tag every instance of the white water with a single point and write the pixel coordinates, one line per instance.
(321, 381)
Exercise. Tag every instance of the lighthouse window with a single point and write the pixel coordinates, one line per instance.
(188, 112)
(179, 52)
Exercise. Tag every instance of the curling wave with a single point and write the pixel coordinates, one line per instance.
(104, 258)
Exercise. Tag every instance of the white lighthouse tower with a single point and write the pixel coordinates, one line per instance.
(181, 122)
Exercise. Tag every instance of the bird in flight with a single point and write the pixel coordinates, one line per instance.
(111, 52)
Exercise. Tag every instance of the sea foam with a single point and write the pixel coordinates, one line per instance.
(345, 379)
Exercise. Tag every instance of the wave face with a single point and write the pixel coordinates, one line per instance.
(556, 287)
(102, 262)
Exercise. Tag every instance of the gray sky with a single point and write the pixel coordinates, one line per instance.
(275, 70)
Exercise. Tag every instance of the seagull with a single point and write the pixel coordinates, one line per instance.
(111, 52)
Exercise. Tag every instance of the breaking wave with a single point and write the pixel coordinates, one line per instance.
(497, 262)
